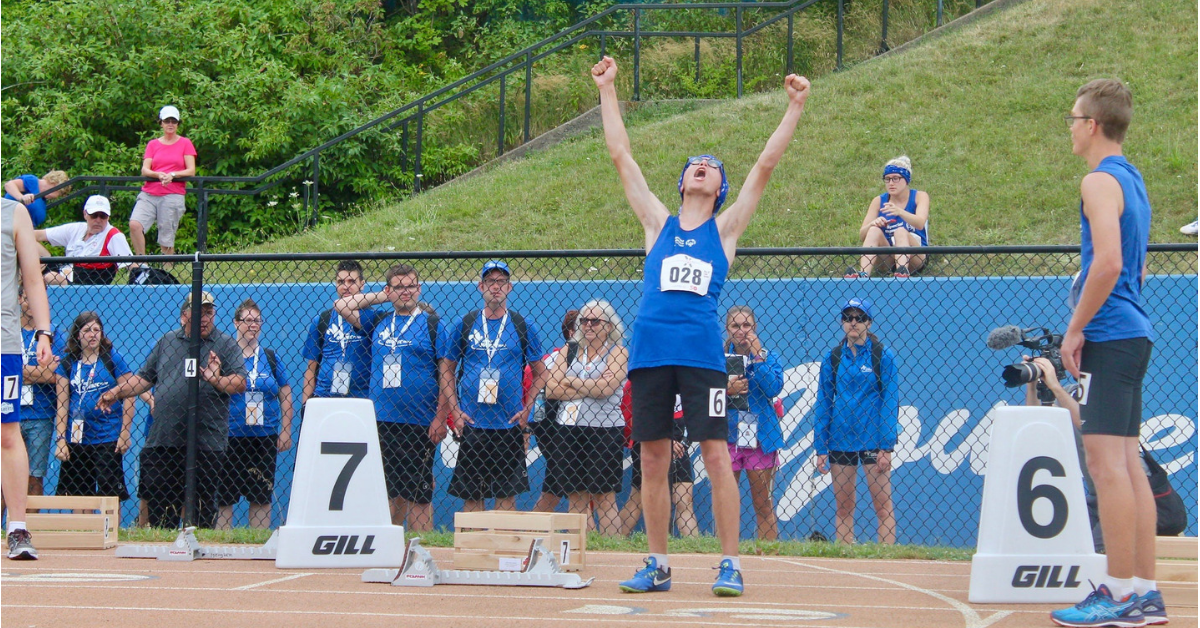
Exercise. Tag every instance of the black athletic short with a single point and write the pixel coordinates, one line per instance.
(548, 436)
(853, 458)
(407, 461)
(1112, 399)
(162, 485)
(93, 470)
(593, 459)
(680, 473)
(491, 464)
(654, 390)
(249, 470)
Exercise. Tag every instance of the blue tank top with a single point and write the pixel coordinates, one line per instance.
(677, 323)
(911, 208)
(1122, 316)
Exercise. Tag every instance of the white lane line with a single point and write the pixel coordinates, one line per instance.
(247, 587)
(971, 619)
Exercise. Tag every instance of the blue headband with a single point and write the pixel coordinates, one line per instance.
(890, 169)
(721, 194)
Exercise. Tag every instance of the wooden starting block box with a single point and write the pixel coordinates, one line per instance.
(94, 527)
(498, 540)
(1176, 558)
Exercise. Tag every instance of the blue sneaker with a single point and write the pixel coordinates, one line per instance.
(1153, 608)
(1100, 609)
(649, 579)
(729, 580)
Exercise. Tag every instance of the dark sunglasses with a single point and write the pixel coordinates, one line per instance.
(712, 161)
(591, 321)
(855, 318)
(98, 215)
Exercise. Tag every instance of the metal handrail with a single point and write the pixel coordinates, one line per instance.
(415, 111)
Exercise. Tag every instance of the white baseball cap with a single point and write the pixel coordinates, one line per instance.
(168, 112)
(97, 204)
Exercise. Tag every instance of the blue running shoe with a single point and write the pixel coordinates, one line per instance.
(649, 579)
(1153, 608)
(729, 580)
(1100, 609)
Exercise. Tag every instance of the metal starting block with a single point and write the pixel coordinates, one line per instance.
(540, 569)
(187, 548)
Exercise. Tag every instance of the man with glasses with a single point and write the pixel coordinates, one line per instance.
(405, 388)
(93, 237)
(486, 352)
(168, 369)
(677, 340)
(338, 350)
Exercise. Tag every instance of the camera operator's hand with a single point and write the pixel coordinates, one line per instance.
(1048, 375)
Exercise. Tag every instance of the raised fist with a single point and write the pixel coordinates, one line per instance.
(797, 88)
(604, 72)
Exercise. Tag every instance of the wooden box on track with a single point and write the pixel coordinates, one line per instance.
(81, 523)
(497, 540)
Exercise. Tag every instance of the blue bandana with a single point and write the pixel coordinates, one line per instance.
(898, 170)
(721, 194)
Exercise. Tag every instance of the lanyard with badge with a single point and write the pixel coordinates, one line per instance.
(81, 392)
(393, 362)
(568, 414)
(255, 400)
(684, 273)
(343, 368)
(27, 353)
(489, 376)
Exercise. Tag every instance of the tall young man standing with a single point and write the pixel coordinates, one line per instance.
(676, 344)
(1107, 347)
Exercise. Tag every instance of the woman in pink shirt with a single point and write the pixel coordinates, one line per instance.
(161, 201)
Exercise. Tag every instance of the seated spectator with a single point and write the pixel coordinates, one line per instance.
(166, 158)
(754, 433)
(544, 426)
(260, 424)
(91, 441)
(587, 380)
(39, 396)
(26, 187)
(898, 217)
(92, 238)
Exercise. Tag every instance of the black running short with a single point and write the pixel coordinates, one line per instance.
(701, 392)
(1111, 401)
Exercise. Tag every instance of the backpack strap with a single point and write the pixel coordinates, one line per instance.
(322, 327)
(468, 322)
(110, 364)
(877, 363)
(522, 332)
(835, 359)
(431, 321)
(272, 362)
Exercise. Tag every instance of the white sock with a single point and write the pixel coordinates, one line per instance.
(1141, 586)
(1119, 587)
(737, 562)
(662, 561)
(13, 526)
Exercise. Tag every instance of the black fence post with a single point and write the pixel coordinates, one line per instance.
(939, 12)
(791, 64)
(528, 90)
(201, 217)
(603, 45)
(316, 177)
(738, 38)
(697, 61)
(500, 133)
(404, 145)
(192, 369)
(417, 161)
(883, 45)
(840, 24)
(637, 54)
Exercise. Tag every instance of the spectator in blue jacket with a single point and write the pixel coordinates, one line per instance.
(754, 433)
(857, 419)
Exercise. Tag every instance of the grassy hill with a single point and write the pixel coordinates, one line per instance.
(978, 109)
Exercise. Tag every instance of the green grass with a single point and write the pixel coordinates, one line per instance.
(978, 110)
(597, 542)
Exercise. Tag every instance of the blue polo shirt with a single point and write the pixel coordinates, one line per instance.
(507, 358)
(861, 417)
(87, 383)
(37, 209)
(260, 377)
(414, 401)
(341, 342)
(45, 396)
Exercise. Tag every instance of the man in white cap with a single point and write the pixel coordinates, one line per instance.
(94, 237)
(161, 200)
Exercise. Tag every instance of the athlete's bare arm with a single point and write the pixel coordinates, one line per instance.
(650, 211)
(29, 261)
(732, 222)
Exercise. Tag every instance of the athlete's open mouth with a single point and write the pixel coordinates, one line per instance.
(700, 173)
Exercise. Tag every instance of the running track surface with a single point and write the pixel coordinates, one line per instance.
(94, 588)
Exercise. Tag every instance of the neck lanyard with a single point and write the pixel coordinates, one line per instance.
(488, 345)
(411, 317)
(83, 390)
(254, 371)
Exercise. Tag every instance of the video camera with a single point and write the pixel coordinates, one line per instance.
(1047, 345)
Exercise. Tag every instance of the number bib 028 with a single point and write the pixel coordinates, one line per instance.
(685, 273)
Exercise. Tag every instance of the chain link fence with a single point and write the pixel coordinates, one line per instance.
(300, 326)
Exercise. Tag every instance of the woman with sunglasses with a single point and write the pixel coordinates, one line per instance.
(588, 380)
(167, 158)
(260, 425)
(91, 442)
(94, 237)
(898, 217)
(857, 419)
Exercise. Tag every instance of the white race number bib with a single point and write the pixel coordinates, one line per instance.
(685, 273)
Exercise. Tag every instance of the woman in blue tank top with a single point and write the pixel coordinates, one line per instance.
(898, 217)
(676, 341)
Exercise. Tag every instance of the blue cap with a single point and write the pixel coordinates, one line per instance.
(494, 265)
(721, 194)
(860, 304)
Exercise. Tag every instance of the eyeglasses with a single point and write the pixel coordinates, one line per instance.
(893, 178)
(250, 321)
(405, 287)
(592, 321)
(496, 281)
(855, 318)
(1070, 120)
(712, 161)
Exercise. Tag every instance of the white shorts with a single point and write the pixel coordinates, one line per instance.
(165, 210)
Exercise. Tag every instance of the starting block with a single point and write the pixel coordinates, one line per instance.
(187, 548)
(540, 569)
